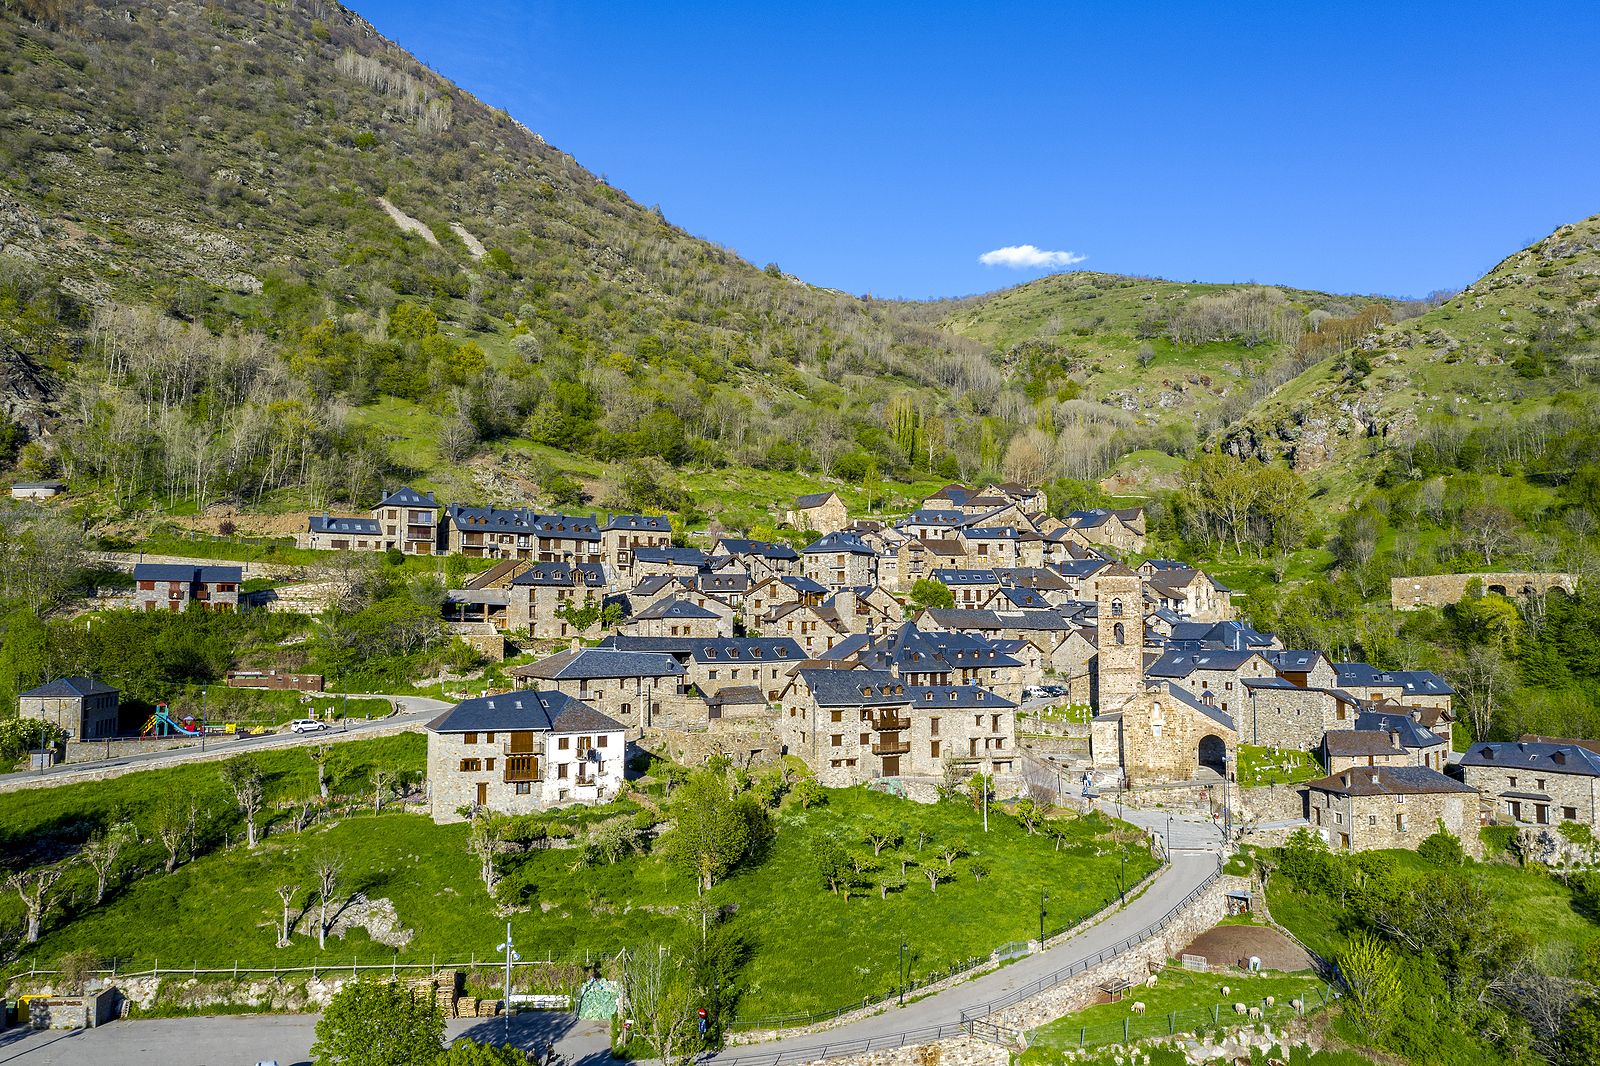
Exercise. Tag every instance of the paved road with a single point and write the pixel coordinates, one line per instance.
(1195, 843)
(413, 710)
(244, 1040)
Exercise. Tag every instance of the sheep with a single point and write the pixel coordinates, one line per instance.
(1227, 991)
(1239, 1008)
(1150, 982)
(1138, 1007)
(1271, 1001)
(1255, 1013)
(1299, 1005)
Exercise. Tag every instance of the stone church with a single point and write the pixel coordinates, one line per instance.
(1155, 733)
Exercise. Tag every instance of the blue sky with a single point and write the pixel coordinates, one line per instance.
(1392, 148)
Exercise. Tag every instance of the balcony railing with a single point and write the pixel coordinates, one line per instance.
(891, 721)
(891, 747)
(521, 768)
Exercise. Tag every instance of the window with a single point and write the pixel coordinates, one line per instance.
(472, 738)
(838, 716)
(933, 726)
(561, 771)
(1118, 634)
(488, 738)
(1569, 813)
(1372, 819)
(1338, 817)
(524, 788)
(838, 740)
(866, 738)
(488, 764)
(470, 766)
(933, 752)
(1400, 821)
(1538, 783)
(1511, 782)
(600, 741)
(564, 743)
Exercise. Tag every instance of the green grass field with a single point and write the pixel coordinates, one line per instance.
(222, 907)
(1180, 1002)
(1260, 766)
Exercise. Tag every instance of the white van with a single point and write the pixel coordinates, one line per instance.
(307, 725)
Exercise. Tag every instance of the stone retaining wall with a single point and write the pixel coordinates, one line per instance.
(1440, 590)
(963, 1051)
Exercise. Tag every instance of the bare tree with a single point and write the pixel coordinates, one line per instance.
(658, 993)
(34, 887)
(329, 865)
(172, 821)
(383, 780)
(101, 851)
(934, 876)
(286, 894)
(244, 779)
(485, 839)
(1489, 528)
(319, 754)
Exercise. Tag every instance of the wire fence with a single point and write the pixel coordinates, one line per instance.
(393, 967)
(842, 1048)
(1194, 1020)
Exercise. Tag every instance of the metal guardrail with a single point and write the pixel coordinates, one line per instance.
(1051, 980)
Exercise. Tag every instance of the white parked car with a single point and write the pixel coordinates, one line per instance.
(307, 725)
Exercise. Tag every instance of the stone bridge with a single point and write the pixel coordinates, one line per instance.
(1439, 590)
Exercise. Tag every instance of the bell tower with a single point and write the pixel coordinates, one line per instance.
(1119, 666)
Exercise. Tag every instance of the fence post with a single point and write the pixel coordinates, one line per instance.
(1216, 1014)
(1083, 1034)
(1124, 1030)
(1172, 1022)
(235, 969)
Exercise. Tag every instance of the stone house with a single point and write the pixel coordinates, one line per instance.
(82, 706)
(1373, 807)
(975, 589)
(623, 534)
(936, 658)
(679, 618)
(761, 559)
(1405, 688)
(862, 610)
(1423, 746)
(1082, 577)
(488, 532)
(1107, 528)
(538, 594)
(1191, 594)
(639, 690)
(764, 663)
(818, 512)
(1165, 735)
(814, 628)
(668, 562)
(1220, 673)
(841, 560)
(934, 524)
(853, 726)
(766, 596)
(570, 538)
(1032, 501)
(1537, 783)
(990, 546)
(1276, 713)
(410, 521)
(1349, 749)
(326, 532)
(173, 586)
(521, 752)
(1307, 669)
(918, 559)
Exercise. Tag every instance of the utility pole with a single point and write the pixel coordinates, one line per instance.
(902, 981)
(1044, 897)
(511, 956)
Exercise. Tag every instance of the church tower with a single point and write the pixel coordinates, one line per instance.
(1119, 666)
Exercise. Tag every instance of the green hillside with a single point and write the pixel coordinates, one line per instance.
(273, 250)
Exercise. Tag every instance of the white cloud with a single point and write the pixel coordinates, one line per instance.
(1027, 257)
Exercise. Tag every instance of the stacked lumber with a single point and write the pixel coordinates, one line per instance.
(444, 988)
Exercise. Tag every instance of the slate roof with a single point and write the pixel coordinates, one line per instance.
(747, 650)
(1412, 682)
(407, 497)
(1412, 735)
(1225, 635)
(601, 662)
(990, 533)
(723, 583)
(935, 516)
(804, 584)
(963, 576)
(673, 556)
(812, 499)
(653, 584)
(855, 688)
(1554, 758)
(1389, 781)
(1184, 663)
(649, 523)
(1031, 577)
(1080, 567)
(1190, 700)
(193, 575)
(69, 688)
(764, 549)
(541, 712)
(673, 608)
(1167, 564)
(321, 523)
(839, 542)
(1297, 662)
(1024, 598)
(912, 650)
(958, 696)
(1355, 743)
(592, 575)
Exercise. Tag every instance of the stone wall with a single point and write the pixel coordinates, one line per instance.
(1440, 590)
(1272, 803)
(963, 1051)
(1383, 821)
(1135, 966)
(1575, 791)
(1161, 738)
(96, 750)
(1286, 717)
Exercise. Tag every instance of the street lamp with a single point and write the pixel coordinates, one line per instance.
(202, 719)
(511, 956)
(1044, 897)
(902, 975)
(1122, 878)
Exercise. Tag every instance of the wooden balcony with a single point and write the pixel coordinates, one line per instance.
(891, 746)
(891, 722)
(520, 768)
